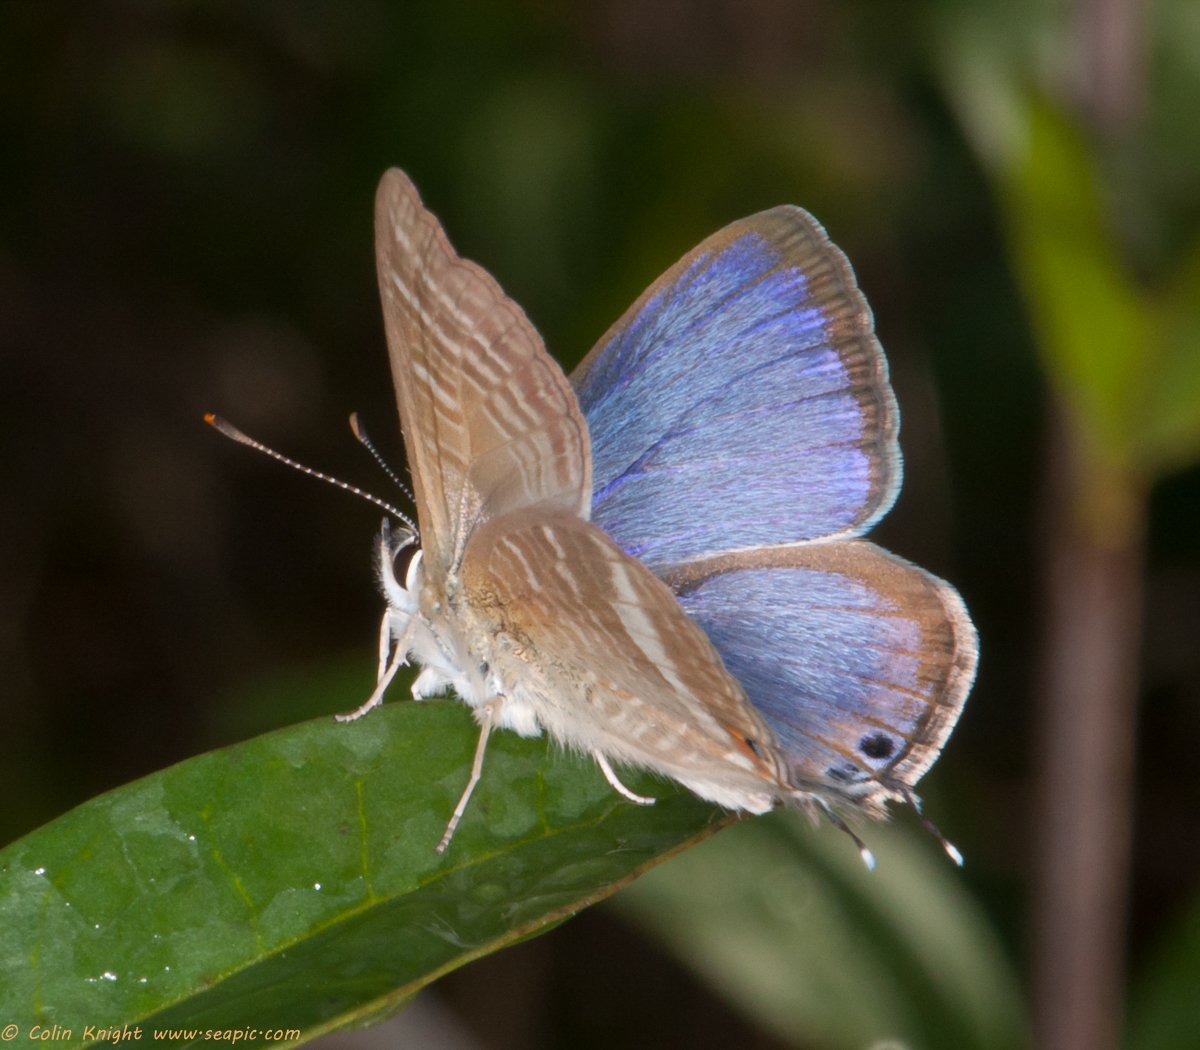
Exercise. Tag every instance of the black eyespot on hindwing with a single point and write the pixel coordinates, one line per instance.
(877, 746)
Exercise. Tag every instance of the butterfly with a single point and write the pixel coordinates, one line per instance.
(657, 562)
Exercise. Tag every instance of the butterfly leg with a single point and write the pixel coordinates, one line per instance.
(385, 644)
(618, 787)
(487, 720)
(387, 669)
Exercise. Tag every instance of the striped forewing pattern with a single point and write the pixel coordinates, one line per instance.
(489, 420)
(618, 664)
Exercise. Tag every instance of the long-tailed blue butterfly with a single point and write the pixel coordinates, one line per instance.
(657, 561)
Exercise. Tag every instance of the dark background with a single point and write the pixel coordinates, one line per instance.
(185, 225)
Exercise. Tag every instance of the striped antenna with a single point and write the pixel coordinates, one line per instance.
(223, 426)
(360, 435)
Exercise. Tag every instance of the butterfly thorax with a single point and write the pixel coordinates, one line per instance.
(451, 637)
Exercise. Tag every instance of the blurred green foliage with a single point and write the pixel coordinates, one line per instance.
(787, 921)
(1120, 346)
(185, 224)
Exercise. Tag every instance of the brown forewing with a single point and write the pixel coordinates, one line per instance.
(490, 422)
(625, 669)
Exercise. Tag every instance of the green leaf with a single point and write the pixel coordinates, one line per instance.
(787, 923)
(1092, 321)
(1170, 436)
(1124, 358)
(290, 882)
(1164, 1009)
